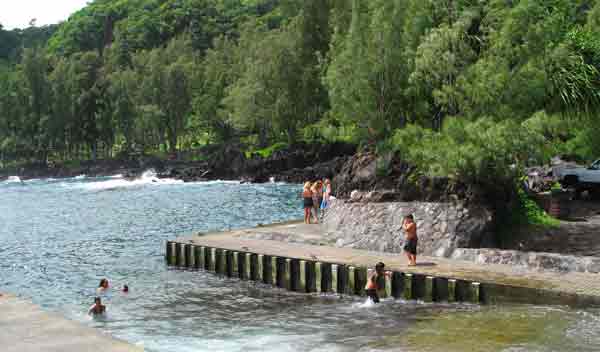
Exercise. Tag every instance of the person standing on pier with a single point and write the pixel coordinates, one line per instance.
(326, 196)
(317, 196)
(307, 198)
(410, 247)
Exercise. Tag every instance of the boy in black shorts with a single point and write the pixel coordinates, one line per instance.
(410, 247)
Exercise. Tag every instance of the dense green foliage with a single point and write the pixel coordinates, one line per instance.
(466, 88)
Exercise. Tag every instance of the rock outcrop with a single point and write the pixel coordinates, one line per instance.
(400, 181)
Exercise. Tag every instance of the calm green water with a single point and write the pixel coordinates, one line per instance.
(59, 237)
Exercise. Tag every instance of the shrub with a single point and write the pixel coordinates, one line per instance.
(480, 151)
(528, 212)
(268, 151)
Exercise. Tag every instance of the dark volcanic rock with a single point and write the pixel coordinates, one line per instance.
(296, 164)
(299, 163)
(395, 179)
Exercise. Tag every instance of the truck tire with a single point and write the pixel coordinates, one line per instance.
(570, 181)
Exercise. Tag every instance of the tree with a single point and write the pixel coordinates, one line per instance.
(35, 67)
(368, 73)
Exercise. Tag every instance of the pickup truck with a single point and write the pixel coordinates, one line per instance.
(581, 178)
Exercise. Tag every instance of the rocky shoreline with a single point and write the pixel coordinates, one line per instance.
(294, 164)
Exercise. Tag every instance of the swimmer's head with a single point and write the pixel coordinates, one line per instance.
(125, 288)
(97, 300)
(379, 267)
(103, 283)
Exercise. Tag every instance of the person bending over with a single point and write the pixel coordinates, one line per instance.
(374, 282)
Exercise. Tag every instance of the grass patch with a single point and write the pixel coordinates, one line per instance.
(268, 151)
(72, 164)
(530, 213)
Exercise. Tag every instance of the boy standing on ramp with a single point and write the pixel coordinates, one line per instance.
(410, 247)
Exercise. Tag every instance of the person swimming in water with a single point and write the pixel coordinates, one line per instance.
(97, 308)
(103, 286)
(373, 282)
(125, 289)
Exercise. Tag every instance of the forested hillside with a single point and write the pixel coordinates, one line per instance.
(458, 87)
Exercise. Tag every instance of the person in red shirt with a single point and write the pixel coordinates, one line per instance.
(410, 246)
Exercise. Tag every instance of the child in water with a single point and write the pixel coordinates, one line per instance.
(103, 286)
(373, 282)
(97, 308)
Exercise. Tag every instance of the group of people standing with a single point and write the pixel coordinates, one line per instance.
(316, 197)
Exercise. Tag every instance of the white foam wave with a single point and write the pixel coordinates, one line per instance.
(366, 304)
(115, 182)
(13, 179)
(215, 182)
(80, 177)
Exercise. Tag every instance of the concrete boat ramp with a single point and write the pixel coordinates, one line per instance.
(24, 327)
(298, 257)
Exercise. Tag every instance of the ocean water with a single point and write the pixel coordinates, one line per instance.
(58, 238)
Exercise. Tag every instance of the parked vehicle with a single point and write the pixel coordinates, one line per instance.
(581, 178)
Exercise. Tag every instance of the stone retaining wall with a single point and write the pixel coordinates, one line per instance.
(442, 227)
(529, 260)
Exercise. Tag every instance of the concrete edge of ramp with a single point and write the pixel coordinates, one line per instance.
(25, 327)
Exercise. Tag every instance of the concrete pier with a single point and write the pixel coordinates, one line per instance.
(350, 281)
(429, 289)
(258, 263)
(235, 265)
(247, 272)
(307, 276)
(327, 269)
(451, 290)
(190, 256)
(333, 279)
(24, 327)
(221, 261)
(408, 286)
(171, 253)
(302, 277)
(181, 255)
(273, 270)
(397, 285)
(318, 277)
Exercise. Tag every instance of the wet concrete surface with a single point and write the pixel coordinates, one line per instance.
(24, 327)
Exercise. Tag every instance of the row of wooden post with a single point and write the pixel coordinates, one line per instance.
(308, 276)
